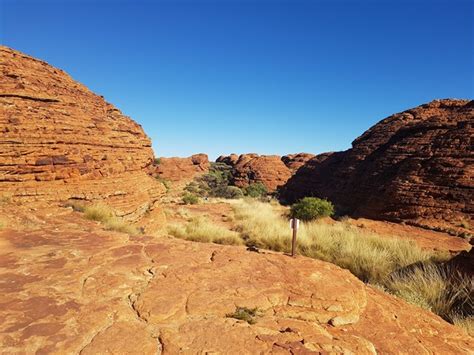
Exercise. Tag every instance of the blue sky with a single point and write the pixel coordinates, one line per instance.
(272, 77)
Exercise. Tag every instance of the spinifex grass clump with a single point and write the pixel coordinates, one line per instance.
(246, 314)
(438, 288)
(368, 256)
(190, 199)
(106, 216)
(200, 229)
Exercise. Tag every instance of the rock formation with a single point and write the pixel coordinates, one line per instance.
(182, 169)
(296, 161)
(60, 141)
(271, 170)
(416, 166)
(253, 168)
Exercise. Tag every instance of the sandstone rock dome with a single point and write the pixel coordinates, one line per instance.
(182, 169)
(417, 165)
(60, 141)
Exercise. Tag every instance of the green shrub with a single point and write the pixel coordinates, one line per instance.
(157, 161)
(255, 190)
(215, 183)
(190, 199)
(230, 192)
(309, 208)
(243, 313)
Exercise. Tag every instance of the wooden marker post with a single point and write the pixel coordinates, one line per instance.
(294, 224)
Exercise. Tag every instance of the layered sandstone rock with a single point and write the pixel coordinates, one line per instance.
(296, 161)
(182, 169)
(253, 168)
(417, 165)
(68, 286)
(59, 141)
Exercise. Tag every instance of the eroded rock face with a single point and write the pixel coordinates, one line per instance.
(417, 165)
(182, 169)
(70, 287)
(296, 161)
(253, 168)
(59, 140)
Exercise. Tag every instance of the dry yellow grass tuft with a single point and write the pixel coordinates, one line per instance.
(368, 256)
(200, 229)
(437, 288)
(465, 323)
(105, 215)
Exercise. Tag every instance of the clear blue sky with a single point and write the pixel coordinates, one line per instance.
(271, 77)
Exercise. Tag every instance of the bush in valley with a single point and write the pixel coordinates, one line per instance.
(230, 192)
(255, 190)
(216, 183)
(190, 199)
(157, 161)
(309, 208)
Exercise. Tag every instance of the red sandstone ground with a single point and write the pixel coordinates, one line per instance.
(68, 286)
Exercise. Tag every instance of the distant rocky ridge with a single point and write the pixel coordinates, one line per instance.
(271, 170)
(417, 166)
(181, 169)
(60, 141)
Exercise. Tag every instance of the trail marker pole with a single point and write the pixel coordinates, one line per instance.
(294, 224)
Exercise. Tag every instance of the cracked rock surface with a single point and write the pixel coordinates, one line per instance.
(67, 286)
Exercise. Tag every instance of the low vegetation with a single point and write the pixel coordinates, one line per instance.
(190, 199)
(200, 229)
(103, 214)
(166, 183)
(2, 224)
(368, 256)
(395, 265)
(255, 190)
(246, 314)
(437, 288)
(310, 208)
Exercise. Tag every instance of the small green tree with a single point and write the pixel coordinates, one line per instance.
(190, 199)
(231, 192)
(255, 190)
(309, 208)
